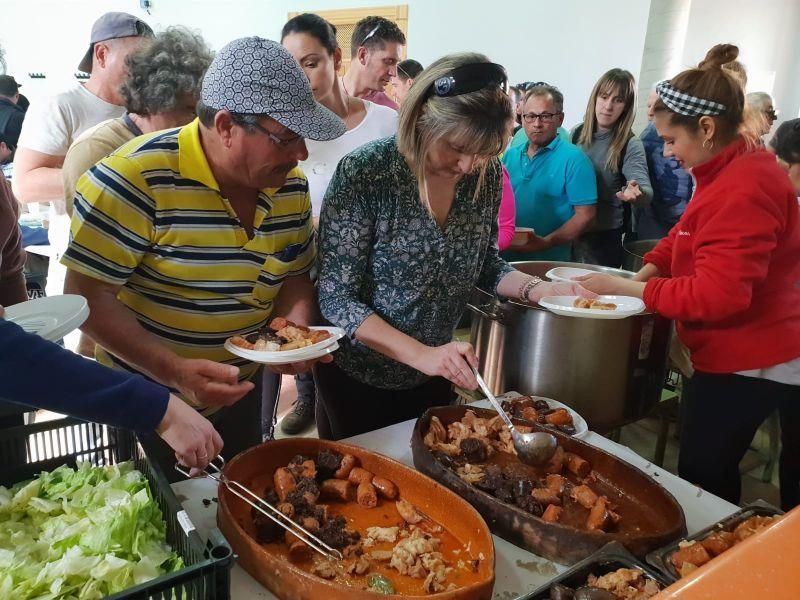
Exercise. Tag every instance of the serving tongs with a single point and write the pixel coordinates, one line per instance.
(215, 471)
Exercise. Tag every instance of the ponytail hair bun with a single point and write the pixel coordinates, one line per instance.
(719, 55)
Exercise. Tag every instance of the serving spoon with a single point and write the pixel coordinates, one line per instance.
(534, 448)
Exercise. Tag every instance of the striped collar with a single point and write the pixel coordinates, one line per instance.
(193, 164)
(192, 161)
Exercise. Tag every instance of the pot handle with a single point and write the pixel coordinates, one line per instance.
(486, 311)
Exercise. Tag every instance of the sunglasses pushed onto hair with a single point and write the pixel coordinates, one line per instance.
(469, 78)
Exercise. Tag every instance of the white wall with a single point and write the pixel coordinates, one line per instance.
(768, 35)
(569, 42)
(663, 49)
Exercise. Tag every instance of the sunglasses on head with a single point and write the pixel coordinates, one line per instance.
(527, 85)
(370, 34)
(469, 78)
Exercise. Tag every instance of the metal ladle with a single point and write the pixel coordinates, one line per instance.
(534, 448)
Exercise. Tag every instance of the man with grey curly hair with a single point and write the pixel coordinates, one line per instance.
(160, 92)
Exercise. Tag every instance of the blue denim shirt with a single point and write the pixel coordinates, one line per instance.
(381, 252)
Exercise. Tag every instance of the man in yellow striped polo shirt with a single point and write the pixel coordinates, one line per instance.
(185, 237)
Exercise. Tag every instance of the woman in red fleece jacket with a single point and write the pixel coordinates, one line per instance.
(729, 274)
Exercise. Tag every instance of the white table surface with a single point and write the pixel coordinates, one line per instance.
(517, 571)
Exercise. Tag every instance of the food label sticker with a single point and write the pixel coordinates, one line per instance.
(186, 522)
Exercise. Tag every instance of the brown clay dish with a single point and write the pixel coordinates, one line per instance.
(650, 516)
(269, 563)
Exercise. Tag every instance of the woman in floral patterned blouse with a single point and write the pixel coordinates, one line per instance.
(408, 228)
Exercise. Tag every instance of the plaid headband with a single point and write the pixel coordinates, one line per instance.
(684, 104)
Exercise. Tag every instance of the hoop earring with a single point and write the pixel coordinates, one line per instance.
(710, 143)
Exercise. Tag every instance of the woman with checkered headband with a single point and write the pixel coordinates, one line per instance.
(728, 274)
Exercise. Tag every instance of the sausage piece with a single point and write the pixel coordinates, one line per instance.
(386, 489)
(552, 513)
(559, 416)
(337, 489)
(694, 554)
(309, 469)
(286, 508)
(601, 516)
(359, 475)
(584, 495)
(577, 465)
(348, 463)
(298, 549)
(545, 496)
(285, 483)
(366, 495)
(718, 542)
(556, 483)
(556, 464)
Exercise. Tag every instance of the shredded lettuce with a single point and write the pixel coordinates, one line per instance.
(81, 534)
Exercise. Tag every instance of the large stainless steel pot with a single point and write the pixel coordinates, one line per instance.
(610, 371)
(633, 256)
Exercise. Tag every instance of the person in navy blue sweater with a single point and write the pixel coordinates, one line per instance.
(87, 390)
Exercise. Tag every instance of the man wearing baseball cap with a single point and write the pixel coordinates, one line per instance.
(186, 237)
(52, 125)
(11, 115)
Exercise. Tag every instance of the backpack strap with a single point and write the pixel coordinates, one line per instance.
(627, 211)
(576, 133)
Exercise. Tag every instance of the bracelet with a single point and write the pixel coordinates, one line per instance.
(529, 285)
(521, 291)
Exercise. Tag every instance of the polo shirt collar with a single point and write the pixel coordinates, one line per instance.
(192, 161)
(551, 146)
(193, 164)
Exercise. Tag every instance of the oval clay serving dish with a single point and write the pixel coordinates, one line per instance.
(269, 563)
(650, 515)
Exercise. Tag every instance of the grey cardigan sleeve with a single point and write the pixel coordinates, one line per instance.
(634, 167)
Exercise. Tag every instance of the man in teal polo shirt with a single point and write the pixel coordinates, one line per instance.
(554, 182)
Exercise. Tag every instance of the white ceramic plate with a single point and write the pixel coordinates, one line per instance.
(581, 427)
(290, 356)
(51, 317)
(627, 306)
(567, 273)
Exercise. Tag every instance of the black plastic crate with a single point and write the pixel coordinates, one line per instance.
(26, 451)
(660, 558)
(609, 558)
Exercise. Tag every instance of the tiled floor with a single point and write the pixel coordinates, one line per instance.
(287, 397)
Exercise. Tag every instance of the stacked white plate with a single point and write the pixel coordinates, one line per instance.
(285, 357)
(568, 273)
(51, 317)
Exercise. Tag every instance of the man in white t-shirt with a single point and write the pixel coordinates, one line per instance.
(323, 157)
(51, 125)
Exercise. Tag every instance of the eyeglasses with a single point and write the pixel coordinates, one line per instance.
(543, 117)
(371, 33)
(771, 114)
(279, 142)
